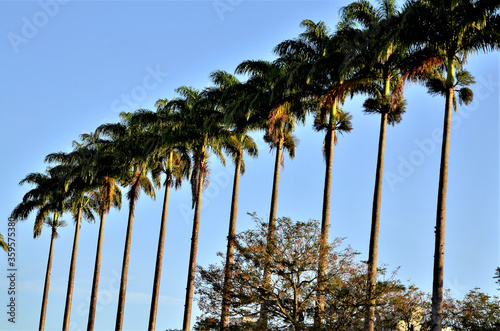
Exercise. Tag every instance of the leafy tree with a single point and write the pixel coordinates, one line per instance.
(403, 308)
(477, 311)
(291, 297)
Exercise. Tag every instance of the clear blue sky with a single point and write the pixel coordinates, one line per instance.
(70, 66)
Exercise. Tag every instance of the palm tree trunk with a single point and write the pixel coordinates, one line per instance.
(159, 257)
(228, 268)
(373, 251)
(438, 274)
(325, 222)
(271, 230)
(97, 270)
(123, 283)
(192, 259)
(71, 278)
(47, 282)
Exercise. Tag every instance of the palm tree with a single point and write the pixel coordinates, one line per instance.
(274, 99)
(128, 139)
(317, 60)
(201, 128)
(451, 31)
(172, 159)
(79, 202)
(106, 196)
(229, 97)
(103, 169)
(48, 196)
(380, 57)
(53, 223)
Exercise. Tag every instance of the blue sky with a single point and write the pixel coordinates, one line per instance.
(69, 66)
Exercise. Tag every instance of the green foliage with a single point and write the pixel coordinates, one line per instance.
(294, 282)
(54, 223)
(201, 129)
(49, 195)
(436, 84)
(3, 244)
(294, 288)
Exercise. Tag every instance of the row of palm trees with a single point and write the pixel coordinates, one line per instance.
(373, 52)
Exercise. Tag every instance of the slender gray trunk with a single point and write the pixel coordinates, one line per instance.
(71, 278)
(192, 259)
(325, 224)
(374, 234)
(47, 283)
(438, 274)
(123, 283)
(159, 258)
(270, 235)
(228, 268)
(97, 270)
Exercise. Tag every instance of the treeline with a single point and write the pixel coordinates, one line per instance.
(373, 51)
(295, 288)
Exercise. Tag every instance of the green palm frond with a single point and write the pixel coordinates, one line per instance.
(464, 78)
(23, 210)
(54, 223)
(360, 12)
(111, 130)
(147, 186)
(436, 83)
(465, 95)
(290, 142)
(134, 188)
(3, 244)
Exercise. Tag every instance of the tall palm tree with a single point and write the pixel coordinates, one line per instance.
(274, 99)
(201, 128)
(381, 58)
(228, 95)
(450, 30)
(316, 59)
(79, 203)
(128, 139)
(172, 159)
(48, 196)
(103, 170)
(53, 223)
